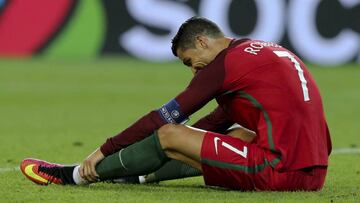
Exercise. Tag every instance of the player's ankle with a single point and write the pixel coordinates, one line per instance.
(78, 180)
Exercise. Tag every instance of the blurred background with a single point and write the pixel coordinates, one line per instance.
(321, 32)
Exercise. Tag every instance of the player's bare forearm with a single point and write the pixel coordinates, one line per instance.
(87, 168)
(242, 133)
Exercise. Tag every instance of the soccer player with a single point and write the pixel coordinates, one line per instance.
(260, 85)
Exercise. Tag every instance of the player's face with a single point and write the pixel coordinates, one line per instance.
(198, 57)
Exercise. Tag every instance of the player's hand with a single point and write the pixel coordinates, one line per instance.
(87, 168)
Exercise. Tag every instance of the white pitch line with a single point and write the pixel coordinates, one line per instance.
(334, 152)
(346, 151)
(9, 169)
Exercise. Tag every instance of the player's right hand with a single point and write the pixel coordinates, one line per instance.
(87, 168)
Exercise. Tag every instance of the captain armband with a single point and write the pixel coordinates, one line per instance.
(171, 113)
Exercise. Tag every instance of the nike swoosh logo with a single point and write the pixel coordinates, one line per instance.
(216, 139)
(29, 171)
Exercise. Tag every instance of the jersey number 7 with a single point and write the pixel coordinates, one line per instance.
(299, 70)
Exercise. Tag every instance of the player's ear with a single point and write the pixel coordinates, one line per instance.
(201, 41)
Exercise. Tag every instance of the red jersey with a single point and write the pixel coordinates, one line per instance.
(260, 86)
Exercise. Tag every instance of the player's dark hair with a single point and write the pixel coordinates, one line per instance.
(190, 29)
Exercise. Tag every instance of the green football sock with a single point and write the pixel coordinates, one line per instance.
(172, 170)
(139, 158)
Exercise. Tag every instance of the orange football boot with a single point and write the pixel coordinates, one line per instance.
(41, 172)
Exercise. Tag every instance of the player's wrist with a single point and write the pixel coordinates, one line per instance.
(98, 155)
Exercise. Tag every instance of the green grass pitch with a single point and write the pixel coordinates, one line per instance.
(62, 110)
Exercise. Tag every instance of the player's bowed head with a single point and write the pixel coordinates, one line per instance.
(197, 42)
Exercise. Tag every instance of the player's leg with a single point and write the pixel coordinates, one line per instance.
(175, 169)
(172, 141)
(182, 143)
(140, 158)
(137, 159)
(226, 161)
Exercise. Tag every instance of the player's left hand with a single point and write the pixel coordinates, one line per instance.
(87, 168)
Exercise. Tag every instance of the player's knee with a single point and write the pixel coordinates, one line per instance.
(167, 135)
